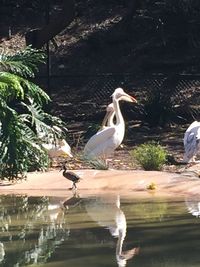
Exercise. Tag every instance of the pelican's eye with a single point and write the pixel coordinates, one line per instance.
(118, 95)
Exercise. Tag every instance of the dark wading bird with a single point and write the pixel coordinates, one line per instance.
(70, 176)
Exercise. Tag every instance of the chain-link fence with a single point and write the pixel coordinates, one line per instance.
(161, 98)
(85, 97)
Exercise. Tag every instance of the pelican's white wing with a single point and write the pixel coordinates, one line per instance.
(198, 133)
(99, 139)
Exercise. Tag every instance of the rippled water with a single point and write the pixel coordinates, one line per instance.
(99, 231)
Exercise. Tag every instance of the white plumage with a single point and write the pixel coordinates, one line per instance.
(191, 142)
(2, 252)
(108, 214)
(59, 149)
(104, 142)
(109, 117)
(193, 205)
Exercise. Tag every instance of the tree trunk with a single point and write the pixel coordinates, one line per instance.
(39, 37)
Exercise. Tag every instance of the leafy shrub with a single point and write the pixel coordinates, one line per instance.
(151, 156)
(24, 124)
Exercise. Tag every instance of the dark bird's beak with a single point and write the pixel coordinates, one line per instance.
(62, 167)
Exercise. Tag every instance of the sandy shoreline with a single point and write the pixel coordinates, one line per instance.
(126, 183)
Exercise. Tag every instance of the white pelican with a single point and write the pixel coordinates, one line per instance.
(191, 142)
(55, 146)
(59, 149)
(108, 214)
(104, 142)
(109, 117)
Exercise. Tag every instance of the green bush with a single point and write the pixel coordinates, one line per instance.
(24, 123)
(151, 156)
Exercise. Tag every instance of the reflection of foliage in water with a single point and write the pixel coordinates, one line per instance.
(165, 262)
(37, 225)
(149, 211)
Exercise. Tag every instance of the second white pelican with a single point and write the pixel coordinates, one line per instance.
(59, 149)
(109, 117)
(191, 142)
(104, 142)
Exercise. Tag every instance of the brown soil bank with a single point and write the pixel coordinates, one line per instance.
(127, 183)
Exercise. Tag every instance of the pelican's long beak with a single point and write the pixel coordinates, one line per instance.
(128, 98)
(133, 99)
(62, 168)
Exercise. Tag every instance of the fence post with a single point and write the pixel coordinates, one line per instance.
(47, 51)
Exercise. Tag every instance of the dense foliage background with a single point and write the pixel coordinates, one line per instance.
(150, 48)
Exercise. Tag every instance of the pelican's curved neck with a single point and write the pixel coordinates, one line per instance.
(111, 119)
(120, 241)
(118, 114)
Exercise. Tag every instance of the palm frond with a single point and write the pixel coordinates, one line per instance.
(24, 125)
(14, 86)
(10, 86)
(35, 92)
(43, 123)
(23, 63)
(19, 149)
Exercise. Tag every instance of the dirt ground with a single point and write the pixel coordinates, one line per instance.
(129, 183)
(124, 177)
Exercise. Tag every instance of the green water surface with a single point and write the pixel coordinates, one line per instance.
(99, 231)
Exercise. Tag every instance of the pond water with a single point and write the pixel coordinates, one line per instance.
(99, 231)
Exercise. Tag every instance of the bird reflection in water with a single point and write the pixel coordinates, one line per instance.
(73, 201)
(2, 252)
(107, 213)
(193, 204)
